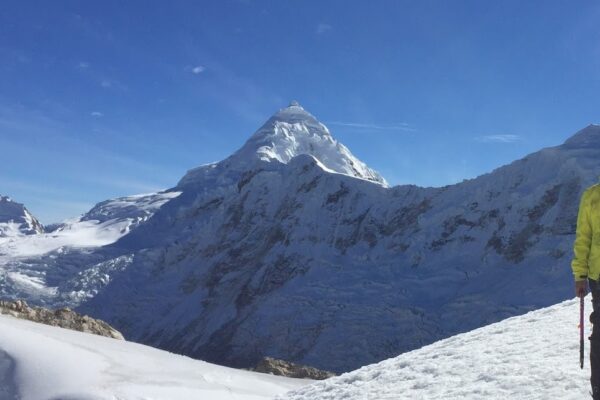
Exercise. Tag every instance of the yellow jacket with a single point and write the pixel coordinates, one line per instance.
(586, 260)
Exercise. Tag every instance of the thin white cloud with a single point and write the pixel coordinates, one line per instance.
(323, 28)
(198, 69)
(83, 65)
(367, 126)
(112, 84)
(97, 114)
(498, 138)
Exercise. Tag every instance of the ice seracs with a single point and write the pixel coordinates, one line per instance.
(290, 132)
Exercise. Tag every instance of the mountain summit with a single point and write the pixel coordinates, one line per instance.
(16, 220)
(586, 137)
(291, 132)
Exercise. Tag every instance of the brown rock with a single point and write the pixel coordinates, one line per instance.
(64, 318)
(273, 366)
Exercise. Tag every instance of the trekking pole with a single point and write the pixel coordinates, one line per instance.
(581, 331)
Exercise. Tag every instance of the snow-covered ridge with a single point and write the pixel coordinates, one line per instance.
(532, 356)
(138, 208)
(289, 133)
(40, 362)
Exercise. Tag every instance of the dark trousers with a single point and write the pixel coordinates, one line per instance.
(595, 339)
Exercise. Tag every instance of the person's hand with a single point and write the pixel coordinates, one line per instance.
(581, 288)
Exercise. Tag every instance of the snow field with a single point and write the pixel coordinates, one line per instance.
(532, 356)
(39, 362)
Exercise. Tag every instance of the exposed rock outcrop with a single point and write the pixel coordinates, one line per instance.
(64, 318)
(273, 366)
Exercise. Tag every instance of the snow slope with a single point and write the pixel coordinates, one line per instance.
(40, 362)
(532, 356)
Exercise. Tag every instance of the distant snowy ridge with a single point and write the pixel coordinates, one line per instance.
(104, 224)
(40, 362)
(135, 209)
(16, 220)
(532, 356)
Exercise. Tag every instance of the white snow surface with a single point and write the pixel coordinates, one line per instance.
(40, 362)
(532, 356)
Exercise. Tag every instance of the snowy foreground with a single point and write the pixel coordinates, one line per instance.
(533, 356)
(40, 362)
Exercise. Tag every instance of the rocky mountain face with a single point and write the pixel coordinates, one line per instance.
(292, 248)
(16, 220)
(63, 318)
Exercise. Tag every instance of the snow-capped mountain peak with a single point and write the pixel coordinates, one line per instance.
(290, 132)
(296, 113)
(16, 220)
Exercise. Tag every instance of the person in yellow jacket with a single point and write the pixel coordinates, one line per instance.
(586, 270)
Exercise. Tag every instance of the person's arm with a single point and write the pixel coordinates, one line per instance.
(583, 241)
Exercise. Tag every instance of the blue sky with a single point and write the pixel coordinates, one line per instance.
(103, 99)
